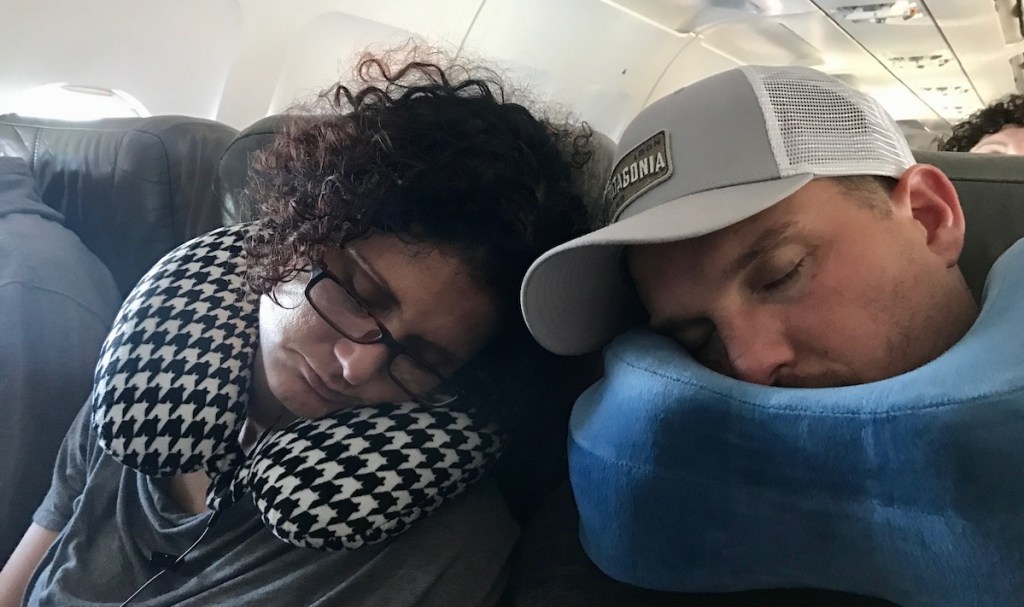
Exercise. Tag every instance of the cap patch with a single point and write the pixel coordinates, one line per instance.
(639, 170)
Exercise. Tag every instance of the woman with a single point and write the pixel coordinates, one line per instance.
(395, 229)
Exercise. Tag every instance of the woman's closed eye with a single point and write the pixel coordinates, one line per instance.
(336, 297)
(353, 299)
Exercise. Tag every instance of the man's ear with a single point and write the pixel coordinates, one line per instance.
(928, 196)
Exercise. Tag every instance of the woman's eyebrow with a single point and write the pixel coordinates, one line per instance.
(386, 294)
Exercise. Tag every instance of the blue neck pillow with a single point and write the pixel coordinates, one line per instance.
(910, 489)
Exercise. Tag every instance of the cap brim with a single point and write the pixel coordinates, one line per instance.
(575, 298)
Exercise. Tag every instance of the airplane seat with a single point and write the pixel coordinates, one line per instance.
(991, 189)
(131, 188)
(234, 166)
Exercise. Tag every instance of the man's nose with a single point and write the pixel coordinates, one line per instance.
(360, 363)
(757, 346)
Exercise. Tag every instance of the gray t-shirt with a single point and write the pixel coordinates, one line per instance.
(113, 518)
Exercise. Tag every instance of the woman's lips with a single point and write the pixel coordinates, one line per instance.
(320, 386)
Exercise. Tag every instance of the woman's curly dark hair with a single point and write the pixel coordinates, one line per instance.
(417, 152)
(1007, 111)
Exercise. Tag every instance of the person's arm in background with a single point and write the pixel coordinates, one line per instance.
(18, 570)
(48, 348)
(57, 302)
(49, 344)
(76, 456)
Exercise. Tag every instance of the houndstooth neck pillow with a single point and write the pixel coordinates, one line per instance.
(170, 397)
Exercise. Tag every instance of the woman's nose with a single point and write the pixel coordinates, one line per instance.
(360, 363)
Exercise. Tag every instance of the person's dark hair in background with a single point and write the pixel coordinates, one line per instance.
(982, 126)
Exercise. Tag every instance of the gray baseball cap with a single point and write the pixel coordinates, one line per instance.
(701, 159)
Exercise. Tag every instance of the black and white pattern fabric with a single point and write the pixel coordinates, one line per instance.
(170, 397)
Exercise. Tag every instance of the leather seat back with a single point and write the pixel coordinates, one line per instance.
(131, 188)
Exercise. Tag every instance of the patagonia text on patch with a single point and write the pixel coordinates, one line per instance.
(639, 170)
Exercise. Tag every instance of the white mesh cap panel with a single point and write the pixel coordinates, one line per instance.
(819, 125)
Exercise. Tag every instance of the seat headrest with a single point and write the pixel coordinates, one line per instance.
(234, 165)
(991, 189)
(131, 188)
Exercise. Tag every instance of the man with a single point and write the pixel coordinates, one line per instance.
(773, 222)
(777, 245)
(995, 129)
(58, 301)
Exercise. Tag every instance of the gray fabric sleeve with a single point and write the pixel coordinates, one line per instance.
(49, 343)
(70, 473)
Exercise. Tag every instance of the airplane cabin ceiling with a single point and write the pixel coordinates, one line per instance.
(930, 62)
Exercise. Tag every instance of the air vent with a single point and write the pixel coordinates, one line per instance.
(881, 13)
(954, 101)
(955, 89)
(929, 61)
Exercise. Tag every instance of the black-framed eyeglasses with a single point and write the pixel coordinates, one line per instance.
(343, 310)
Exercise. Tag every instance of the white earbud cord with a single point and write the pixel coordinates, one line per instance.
(177, 562)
